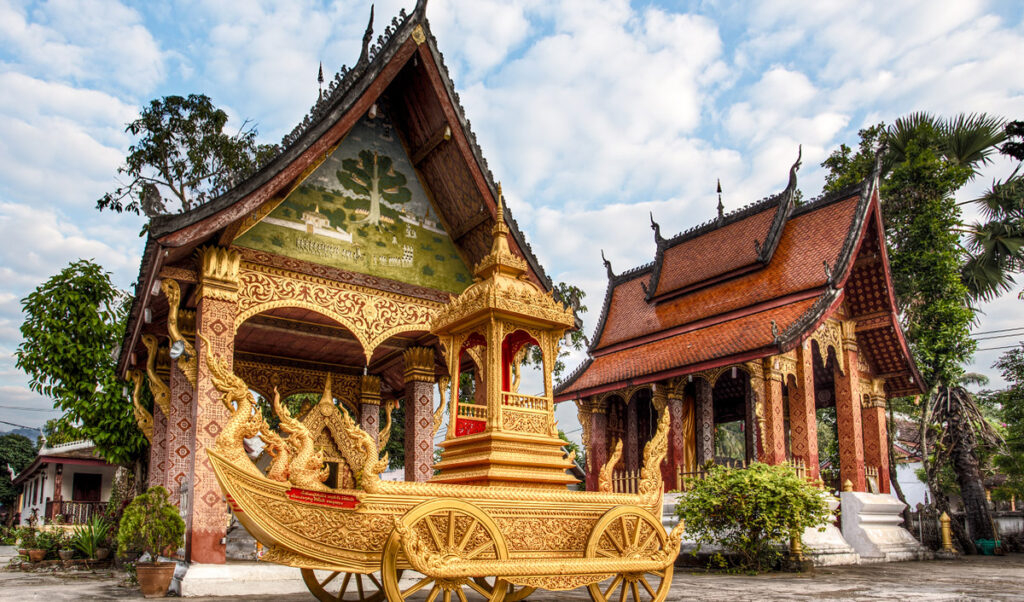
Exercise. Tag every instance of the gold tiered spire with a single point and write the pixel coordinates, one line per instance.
(505, 438)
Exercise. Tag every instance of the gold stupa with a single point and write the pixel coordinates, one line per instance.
(502, 438)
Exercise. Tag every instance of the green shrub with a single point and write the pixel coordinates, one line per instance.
(48, 540)
(150, 524)
(91, 536)
(752, 512)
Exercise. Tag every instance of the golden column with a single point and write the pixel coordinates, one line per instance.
(803, 418)
(774, 433)
(876, 437)
(215, 321)
(848, 416)
(419, 413)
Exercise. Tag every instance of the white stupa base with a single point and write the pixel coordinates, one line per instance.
(828, 547)
(872, 524)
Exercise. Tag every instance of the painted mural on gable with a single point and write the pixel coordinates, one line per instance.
(364, 210)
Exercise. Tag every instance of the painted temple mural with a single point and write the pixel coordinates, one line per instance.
(363, 209)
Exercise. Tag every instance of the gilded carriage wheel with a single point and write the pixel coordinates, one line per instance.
(629, 532)
(515, 593)
(343, 587)
(448, 527)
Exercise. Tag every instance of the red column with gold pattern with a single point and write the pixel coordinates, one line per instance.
(158, 449)
(218, 300)
(705, 423)
(803, 421)
(597, 448)
(676, 449)
(369, 405)
(419, 413)
(180, 421)
(774, 447)
(876, 437)
(631, 446)
(848, 415)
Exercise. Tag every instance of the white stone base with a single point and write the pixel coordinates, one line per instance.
(237, 579)
(828, 548)
(872, 525)
(668, 512)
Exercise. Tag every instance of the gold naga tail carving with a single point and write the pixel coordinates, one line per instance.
(385, 434)
(604, 477)
(244, 421)
(279, 450)
(368, 466)
(161, 392)
(142, 416)
(442, 388)
(188, 362)
(651, 486)
(306, 468)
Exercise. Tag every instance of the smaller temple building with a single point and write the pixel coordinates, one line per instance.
(753, 325)
(67, 482)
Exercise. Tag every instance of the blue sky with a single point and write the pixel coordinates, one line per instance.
(591, 112)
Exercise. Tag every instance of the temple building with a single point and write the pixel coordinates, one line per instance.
(753, 324)
(321, 274)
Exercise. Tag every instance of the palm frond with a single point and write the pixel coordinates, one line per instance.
(971, 138)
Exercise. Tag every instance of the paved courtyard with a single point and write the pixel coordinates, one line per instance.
(974, 578)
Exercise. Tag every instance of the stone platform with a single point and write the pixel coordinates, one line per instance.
(872, 524)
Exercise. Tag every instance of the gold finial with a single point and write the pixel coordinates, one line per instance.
(501, 204)
(848, 485)
(327, 390)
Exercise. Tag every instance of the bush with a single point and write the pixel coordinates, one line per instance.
(49, 540)
(150, 524)
(752, 512)
(91, 536)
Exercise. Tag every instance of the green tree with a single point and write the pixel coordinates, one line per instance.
(753, 512)
(16, 452)
(372, 177)
(1010, 405)
(572, 296)
(182, 149)
(74, 324)
(58, 431)
(925, 161)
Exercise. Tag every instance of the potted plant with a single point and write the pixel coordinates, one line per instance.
(65, 550)
(31, 544)
(90, 539)
(151, 524)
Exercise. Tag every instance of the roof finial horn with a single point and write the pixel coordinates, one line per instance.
(721, 207)
(657, 229)
(364, 56)
(607, 266)
(795, 167)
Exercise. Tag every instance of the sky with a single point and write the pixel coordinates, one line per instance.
(592, 113)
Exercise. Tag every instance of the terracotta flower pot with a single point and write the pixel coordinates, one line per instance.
(102, 553)
(66, 554)
(36, 555)
(154, 578)
(22, 552)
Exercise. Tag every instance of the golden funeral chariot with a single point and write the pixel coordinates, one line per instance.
(496, 520)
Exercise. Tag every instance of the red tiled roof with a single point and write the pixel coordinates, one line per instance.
(693, 349)
(809, 239)
(731, 246)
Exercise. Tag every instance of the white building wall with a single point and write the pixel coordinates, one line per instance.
(913, 489)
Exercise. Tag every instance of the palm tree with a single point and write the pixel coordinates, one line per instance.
(996, 245)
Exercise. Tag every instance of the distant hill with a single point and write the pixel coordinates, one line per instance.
(32, 434)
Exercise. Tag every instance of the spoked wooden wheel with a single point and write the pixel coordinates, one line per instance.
(515, 593)
(343, 587)
(629, 533)
(450, 528)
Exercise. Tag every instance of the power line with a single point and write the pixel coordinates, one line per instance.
(1002, 336)
(21, 426)
(997, 348)
(995, 331)
(26, 409)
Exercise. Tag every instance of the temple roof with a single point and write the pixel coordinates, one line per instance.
(404, 71)
(748, 285)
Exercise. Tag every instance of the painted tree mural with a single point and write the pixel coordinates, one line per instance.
(372, 177)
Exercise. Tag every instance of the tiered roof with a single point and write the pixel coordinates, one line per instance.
(748, 285)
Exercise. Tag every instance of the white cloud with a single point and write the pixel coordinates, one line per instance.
(95, 42)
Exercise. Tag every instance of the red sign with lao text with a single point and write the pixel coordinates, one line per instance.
(322, 498)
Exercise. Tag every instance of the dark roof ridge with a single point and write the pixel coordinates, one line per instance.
(575, 374)
(614, 280)
(827, 198)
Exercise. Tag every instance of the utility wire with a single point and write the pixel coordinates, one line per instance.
(21, 426)
(26, 409)
(995, 331)
(1001, 336)
(997, 348)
